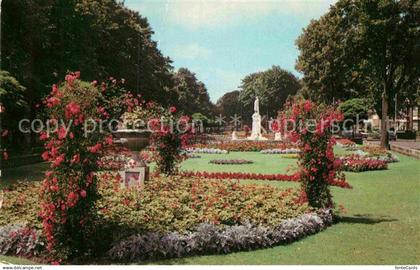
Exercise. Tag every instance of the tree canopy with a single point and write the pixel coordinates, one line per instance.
(363, 48)
(272, 87)
(44, 39)
(229, 104)
(192, 93)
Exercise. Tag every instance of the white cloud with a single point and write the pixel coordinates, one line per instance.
(194, 14)
(191, 51)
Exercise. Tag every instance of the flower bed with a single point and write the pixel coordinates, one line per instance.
(172, 204)
(346, 143)
(257, 176)
(357, 164)
(230, 161)
(280, 151)
(206, 150)
(210, 239)
(244, 146)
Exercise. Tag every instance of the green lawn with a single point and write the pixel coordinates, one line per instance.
(382, 225)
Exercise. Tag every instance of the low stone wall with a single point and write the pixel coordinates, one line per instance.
(399, 149)
(406, 151)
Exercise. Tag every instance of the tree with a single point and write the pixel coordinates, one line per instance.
(192, 94)
(13, 105)
(355, 109)
(229, 104)
(363, 47)
(44, 39)
(272, 86)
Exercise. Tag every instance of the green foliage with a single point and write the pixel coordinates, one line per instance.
(363, 48)
(42, 40)
(356, 108)
(179, 204)
(229, 104)
(21, 204)
(192, 93)
(171, 204)
(272, 86)
(13, 103)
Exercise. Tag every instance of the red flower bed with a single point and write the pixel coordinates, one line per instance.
(244, 146)
(354, 164)
(257, 176)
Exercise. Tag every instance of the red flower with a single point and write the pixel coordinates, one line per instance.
(96, 148)
(58, 160)
(83, 193)
(72, 109)
(75, 159)
(45, 155)
(172, 109)
(108, 140)
(62, 133)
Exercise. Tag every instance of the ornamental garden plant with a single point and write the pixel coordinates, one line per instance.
(313, 133)
(69, 191)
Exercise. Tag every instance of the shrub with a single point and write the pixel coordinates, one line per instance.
(316, 162)
(69, 190)
(169, 138)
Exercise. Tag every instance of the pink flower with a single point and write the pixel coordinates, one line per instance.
(45, 155)
(43, 136)
(108, 140)
(307, 106)
(95, 148)
(62, 133)
(58, 160)
(5, 155)
(72, 109)
(172, 109)
(83, 193)
(75, 159)
(4, 133)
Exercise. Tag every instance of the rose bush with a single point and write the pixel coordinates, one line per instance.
(69, 191)
(313, 133)
(170, 137)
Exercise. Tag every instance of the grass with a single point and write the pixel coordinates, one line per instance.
(381, 225)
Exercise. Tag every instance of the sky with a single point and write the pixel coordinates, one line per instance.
(222, 41)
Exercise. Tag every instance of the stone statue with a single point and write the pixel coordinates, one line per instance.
(257, 105)
(256, 123)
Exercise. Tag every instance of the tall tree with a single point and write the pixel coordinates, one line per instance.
(229, 104)
(192, 93)
(272, 87)
(373, 50)
(43, 39)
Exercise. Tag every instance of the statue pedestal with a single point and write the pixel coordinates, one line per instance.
(256, 128)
